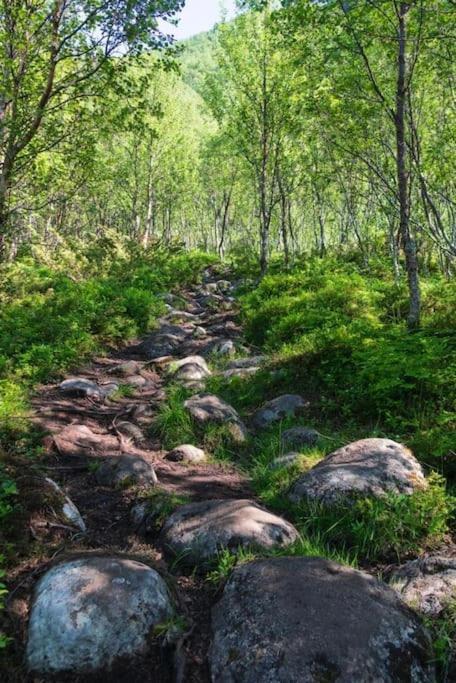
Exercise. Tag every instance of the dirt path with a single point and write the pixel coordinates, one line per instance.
(84, 431)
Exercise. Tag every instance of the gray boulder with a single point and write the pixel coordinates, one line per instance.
(288, 405)
(198, 531)
(164, 342)
(428, 584)
(370, 467)
(88, 612)
(186, 453)
(207, 408)
(226, 347)
(123, 470)
(306, 620)
(300, 436)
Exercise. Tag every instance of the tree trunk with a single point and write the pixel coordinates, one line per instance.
(403, 177)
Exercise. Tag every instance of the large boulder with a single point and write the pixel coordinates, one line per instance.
(370, 467)
(428, 584)
(90, 611)
(288, 405)
(207, 408)
(198, 531)
(305, 619)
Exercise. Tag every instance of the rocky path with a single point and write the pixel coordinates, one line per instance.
(125, 595)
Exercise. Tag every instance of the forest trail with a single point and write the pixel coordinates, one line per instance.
(136, 541)
(85, 431)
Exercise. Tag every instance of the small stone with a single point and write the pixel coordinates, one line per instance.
(198, 531)
(287, 460)
(288, 405)
(306, 619)
(137, 381)
(122, 470)
(207, 408)
(89, 612)
(79, 386)
(130, 430)
(190, 369)
(126, 369)
(300, 436)
(199, 332)
(240, 372)
(186, 453)
(250, 362)
(225, 348)
(427, 585)
(366, 468)
(69, 510)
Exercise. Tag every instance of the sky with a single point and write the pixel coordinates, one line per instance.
(200, 15)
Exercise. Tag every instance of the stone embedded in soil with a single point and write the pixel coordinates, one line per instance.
(137, 382)
(68, 509)
(80, 386)
(127, 369)
(130, 430)
(207, 408)
(370, 467)
(88, 612)
(250, 362)
(123, 470)
(223, 286)
(428, 584)
(199, 332)
(308, 619)
(164, 342)
(240, 372)
(198, 531)
(300, 436)
(288, 405)
(190, 369)
(226, 347)
(186, 453)
(80, 440)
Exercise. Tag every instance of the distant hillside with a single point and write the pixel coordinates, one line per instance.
(198, 58)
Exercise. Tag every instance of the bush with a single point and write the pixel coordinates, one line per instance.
(339, 335)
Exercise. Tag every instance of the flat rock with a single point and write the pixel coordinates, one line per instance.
(207, 408)
(122, 470)
(198, 531)
(428, 584)
(164, 342)
(88, 612)
(186, 453)
(370, 467)
(308, 620)
(300, 436)
(80, 440)
(288, 405)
